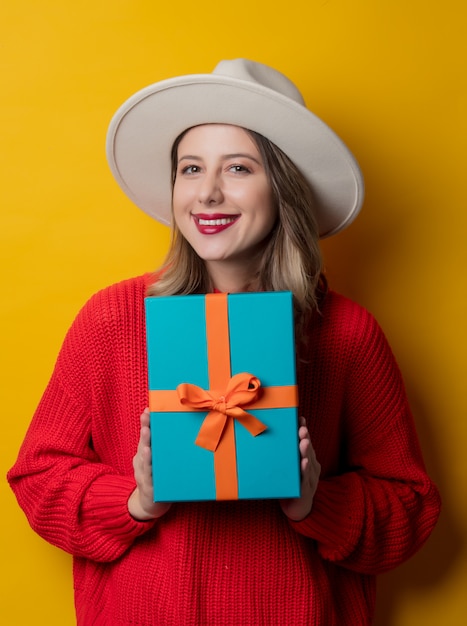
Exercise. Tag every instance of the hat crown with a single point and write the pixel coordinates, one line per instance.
(261, 75)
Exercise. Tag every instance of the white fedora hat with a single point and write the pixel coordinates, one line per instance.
(243, 93)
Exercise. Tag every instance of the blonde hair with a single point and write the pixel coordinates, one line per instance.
(291, 259)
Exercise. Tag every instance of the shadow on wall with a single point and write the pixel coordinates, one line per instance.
(360, 264)
(429, 567)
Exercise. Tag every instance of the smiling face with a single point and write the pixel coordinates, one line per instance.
(222, 198)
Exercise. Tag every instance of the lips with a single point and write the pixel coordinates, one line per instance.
(214, 223)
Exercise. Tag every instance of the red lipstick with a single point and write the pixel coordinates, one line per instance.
(213, 223)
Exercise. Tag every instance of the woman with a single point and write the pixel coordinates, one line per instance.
(256, 180)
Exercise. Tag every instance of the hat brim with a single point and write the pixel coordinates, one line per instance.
(144, 128)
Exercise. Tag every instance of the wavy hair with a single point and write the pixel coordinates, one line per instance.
(291, 259)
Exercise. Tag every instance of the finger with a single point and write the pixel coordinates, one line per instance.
(305, 448)
(147, 459)
(303, 433)
(144, 433)
(145, 415)
(146, 445)
(144, 442)
(145, 436)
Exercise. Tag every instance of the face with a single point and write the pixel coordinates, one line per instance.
(222, 198)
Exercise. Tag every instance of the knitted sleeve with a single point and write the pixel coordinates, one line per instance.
(380, 507)
(70, 496)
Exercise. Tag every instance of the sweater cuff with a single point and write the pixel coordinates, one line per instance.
(108, 500)
(335, 520)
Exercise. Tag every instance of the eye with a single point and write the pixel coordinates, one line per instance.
(239, 169)
(190, 169)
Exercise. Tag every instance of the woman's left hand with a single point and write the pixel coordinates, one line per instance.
(298, 508)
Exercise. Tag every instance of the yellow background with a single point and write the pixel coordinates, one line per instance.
(387, 75)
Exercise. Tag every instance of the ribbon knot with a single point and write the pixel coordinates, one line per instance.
(242, 389)
(220, 405)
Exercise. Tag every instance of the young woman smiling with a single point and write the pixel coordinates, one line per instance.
(223, 203)
(249, 180)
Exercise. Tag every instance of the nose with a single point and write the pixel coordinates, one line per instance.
(210, 190)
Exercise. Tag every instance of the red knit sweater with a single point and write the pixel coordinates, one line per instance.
(231, 563)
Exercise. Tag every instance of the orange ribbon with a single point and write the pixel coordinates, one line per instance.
(223, 400)
(242, 389)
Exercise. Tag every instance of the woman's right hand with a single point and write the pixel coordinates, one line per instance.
(141, 503)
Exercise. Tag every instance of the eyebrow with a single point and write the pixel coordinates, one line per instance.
(235, 155)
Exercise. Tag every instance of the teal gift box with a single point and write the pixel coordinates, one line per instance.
(223, 396)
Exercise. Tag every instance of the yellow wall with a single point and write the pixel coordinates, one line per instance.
(388, 75)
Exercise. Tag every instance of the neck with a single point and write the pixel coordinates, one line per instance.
(230, 278)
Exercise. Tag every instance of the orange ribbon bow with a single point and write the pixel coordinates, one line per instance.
(242, 389)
